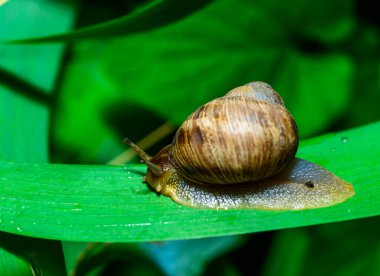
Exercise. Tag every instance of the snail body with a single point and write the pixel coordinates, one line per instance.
(238, 152)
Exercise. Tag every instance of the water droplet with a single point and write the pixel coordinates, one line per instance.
(344, 139)
(18, 229)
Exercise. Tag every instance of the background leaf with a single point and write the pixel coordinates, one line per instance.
(186, 251)
(24, 137)
(110, 203)
(27, 78)
(28, 256)
(145, 17)
(172, 70)
(309, 247)
(192, 256)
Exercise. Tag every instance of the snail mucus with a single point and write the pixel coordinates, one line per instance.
(238, 152)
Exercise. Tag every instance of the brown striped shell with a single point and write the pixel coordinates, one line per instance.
(245, 136)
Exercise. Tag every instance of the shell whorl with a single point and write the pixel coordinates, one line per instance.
(245, 136)
(257, 90)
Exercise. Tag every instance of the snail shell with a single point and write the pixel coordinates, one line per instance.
(247, 135)
(238, 152)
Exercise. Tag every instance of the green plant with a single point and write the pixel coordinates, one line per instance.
(71, 98)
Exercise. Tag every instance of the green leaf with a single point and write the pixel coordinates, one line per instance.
(80, 104)
(172, 70)
(30, 256)
(111, 258)
(151, 15)
(152, 255)
(28, 71)
(199, 58)
(313, 245)
(327, 22)
(294, 260)
(110, 203)
(27, 78)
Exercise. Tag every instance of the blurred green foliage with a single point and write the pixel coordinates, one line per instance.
(149, 62)
(175, 68)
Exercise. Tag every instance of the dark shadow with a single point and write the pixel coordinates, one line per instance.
(117, 259)
(134, 122)
(368, 11)
(248, 259)
(24, 88)
(309, 45)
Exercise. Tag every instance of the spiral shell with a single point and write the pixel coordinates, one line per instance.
(245, 136)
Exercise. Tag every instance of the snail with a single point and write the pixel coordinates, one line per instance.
(238, 152)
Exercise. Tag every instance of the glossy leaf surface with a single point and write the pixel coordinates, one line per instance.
(110, 203)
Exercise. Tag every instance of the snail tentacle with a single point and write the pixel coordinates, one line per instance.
(157, 170)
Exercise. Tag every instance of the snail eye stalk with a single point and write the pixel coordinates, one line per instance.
(157, 170)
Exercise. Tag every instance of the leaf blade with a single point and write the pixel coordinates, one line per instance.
(147, 17)
(110, 203)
